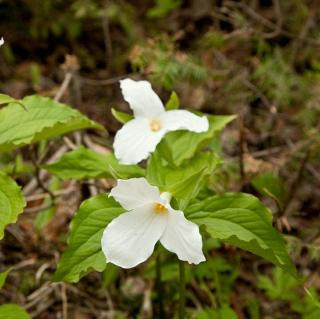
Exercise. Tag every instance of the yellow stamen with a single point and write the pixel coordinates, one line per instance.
(155, 125)
(159, 208)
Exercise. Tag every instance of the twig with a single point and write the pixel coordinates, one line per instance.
(37, 209)
(40, 271)
(106, 34)
(64, 86)
(258, 92)
(278, 27)
(182, 289)
(64, 299)
(303, 33)
(265, 22)
(30, 187)
(241, 149)
(161, 313)
(294, 185)
(37, 174)
(39, 196)
(103, 82)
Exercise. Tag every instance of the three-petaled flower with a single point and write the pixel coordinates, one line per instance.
(140, 136)
(1, 41)
(130, 238)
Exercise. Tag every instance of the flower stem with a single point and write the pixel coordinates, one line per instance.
(159, 287)
(182, 289)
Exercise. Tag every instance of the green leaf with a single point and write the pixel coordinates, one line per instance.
(241, 220)
(163, 7)
(181, 145)
(173, 102)
(110, 275)
(11, 202)
(84, 253)
(43, 218)
(280, 287)
(12, 311)
(182, 182)
(121, 116)
(271, 185)
(3, 277)
(42, 119)
(5, 99)
(225, 312)
(83, 163)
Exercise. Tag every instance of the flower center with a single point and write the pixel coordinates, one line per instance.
(159, 208)
(155, 125)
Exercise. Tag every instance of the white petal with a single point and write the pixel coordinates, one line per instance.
(134, 192)
(183, 238)
(184, 120)
(130, 238)
(135, 141)
(141, 98)
(1, 41)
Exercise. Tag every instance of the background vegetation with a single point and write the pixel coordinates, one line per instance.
(258, 59)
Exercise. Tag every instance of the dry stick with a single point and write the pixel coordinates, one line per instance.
(241, 149)
(159, 286)
(296, 182)
(64, 86)
(64, 299)
(303, 33)
(35, 197)
(106, 34)
(277, 31)
(37, 174)
(258, 92)
(106, 82)
(265, 22)
(30, 187)
(182, 289)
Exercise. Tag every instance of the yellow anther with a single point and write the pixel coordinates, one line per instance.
(155, 125)
(159, 208)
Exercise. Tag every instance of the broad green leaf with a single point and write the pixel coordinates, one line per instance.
(173, 102)
(182, 182)
(84, 253)
(42, 119)
(121, 116)
(181, 145)
(5, 99)
(3, 277)
(11, 202)
(271, 185)
(84, 163)
(12, 311)
(241, 220)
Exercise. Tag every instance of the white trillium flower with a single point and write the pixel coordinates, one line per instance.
(130, 238)
(140, 136)
(1, 41)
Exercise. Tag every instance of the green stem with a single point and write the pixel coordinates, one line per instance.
(182, 289)
(159, 287)
(216, 280)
